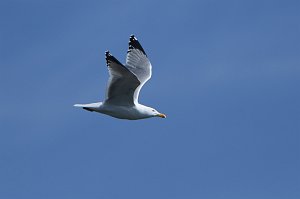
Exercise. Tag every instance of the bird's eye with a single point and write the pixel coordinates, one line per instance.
(153, 110)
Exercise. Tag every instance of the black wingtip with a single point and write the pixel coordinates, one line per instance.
(110, 58)
(107, 57)
(134, 44)
(132, 36)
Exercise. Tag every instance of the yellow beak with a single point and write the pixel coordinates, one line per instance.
(162, 115)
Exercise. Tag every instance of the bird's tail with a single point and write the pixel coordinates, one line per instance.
(89, 107)
(79, 105)
(84, 106)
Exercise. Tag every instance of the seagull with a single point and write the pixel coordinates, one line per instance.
(124, 86)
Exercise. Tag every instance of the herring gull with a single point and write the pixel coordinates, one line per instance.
(124, 85)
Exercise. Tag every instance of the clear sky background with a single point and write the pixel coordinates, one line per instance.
(226, 73)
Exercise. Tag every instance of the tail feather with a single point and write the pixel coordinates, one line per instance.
(84, 106)
(89, 107)
(79, 105)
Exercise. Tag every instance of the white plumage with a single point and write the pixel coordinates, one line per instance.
(124, 85)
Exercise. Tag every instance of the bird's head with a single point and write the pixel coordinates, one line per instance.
(154, 113)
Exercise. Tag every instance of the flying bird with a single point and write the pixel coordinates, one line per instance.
(124, 85)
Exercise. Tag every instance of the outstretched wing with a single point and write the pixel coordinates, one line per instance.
(122, 83)
(138, 63)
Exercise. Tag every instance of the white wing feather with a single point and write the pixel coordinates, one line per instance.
(138, 63)
(122, 83)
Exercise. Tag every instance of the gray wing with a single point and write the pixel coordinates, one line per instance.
(122, 83)
(138, 63)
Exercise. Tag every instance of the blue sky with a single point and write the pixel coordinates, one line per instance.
(226, 73)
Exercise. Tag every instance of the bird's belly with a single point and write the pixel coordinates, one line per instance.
(121, 113)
